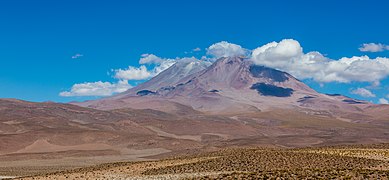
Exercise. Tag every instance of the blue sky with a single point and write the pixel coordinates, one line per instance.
(39, 38)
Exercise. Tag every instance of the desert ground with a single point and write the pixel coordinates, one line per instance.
(42, 138)
(332, 162)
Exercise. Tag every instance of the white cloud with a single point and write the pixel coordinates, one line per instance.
(363, 92)
(76, 56)
(373, 47)
(98, 88)
(196, 49)
(142, 72)
(288, 56)
(133, 73)
(163, 66)
(226, 49)
(383, 101)
(359, 68)
(150, 59)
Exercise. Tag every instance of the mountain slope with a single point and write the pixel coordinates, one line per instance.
(170, 77)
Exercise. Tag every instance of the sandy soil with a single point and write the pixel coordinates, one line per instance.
(41, 146)
(170, 135)
(41, 165)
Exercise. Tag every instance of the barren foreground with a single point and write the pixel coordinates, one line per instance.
(41, 138)
(356, 161)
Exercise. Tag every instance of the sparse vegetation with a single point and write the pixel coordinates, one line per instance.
(345, 162)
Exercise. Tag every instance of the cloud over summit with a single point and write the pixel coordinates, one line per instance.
(226, 49)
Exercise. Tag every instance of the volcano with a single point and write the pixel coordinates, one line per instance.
(229, 85)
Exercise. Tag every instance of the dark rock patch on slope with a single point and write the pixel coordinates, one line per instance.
(305, 98)
(333, 94)
(351, 101)
(271, 90)
(145, 93)
(264, 72)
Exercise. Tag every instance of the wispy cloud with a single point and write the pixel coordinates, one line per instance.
(363, 92)
(196, 49)
(76, 56)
